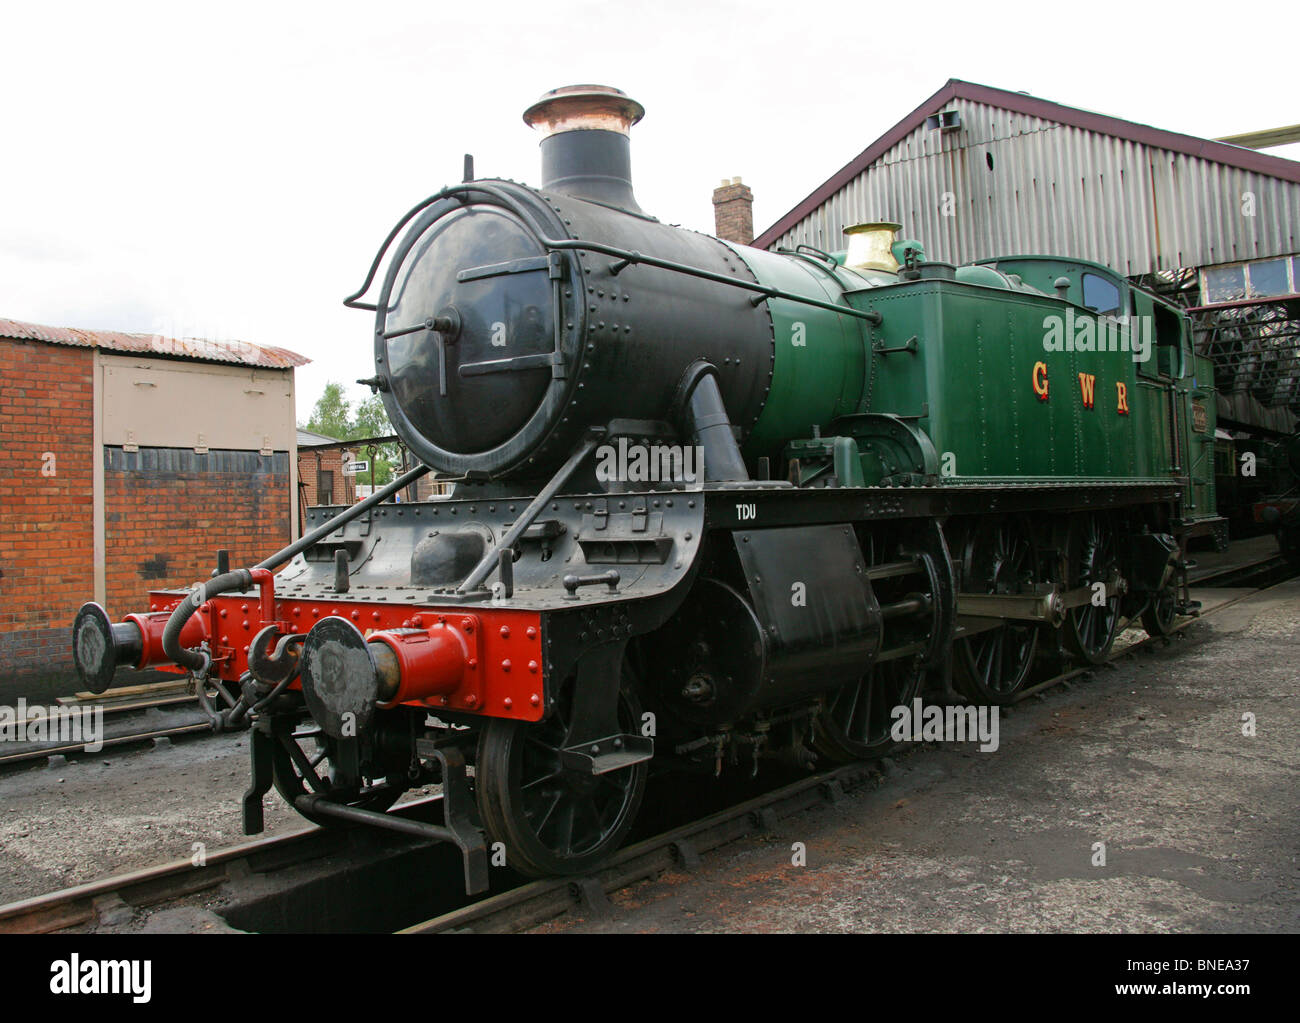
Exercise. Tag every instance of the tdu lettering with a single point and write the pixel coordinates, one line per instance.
(102, 977)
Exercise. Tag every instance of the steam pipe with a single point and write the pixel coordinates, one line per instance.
(704, 419)
(242, 579)
(492, 559)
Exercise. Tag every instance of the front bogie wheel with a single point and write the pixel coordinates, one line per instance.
(304, 762)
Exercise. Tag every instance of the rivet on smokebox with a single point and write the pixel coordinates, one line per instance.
(532, 666)
(534, 699)
(472, 663)
(418, 621)
(471, 700)
(467, 624)
(531, 632)
(507, 703)
(505, 665)
(223, 612)
(505, 632)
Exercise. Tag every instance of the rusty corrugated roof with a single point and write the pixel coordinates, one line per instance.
(241, 353)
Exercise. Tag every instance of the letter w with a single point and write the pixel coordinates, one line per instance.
(1088, 387)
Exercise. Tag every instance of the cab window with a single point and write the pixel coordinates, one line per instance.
(1169, 339)
(1100, 295)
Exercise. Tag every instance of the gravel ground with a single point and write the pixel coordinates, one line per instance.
(1201, 824)
(94, 816)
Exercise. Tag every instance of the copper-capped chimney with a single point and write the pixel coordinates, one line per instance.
(585, 147)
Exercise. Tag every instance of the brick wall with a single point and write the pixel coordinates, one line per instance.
(733, 212)
(312, 460)
(345, 489)
(46, 502)
(167, 511)
(427, 488)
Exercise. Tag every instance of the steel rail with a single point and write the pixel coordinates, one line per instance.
(166, 882)
(197, 727)
(680, 848)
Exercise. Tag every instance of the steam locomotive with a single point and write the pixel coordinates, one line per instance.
(713, 505)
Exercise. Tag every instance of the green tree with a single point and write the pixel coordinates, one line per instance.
(332, 414)
(371, 420)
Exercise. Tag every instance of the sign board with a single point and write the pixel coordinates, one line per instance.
(352, 468)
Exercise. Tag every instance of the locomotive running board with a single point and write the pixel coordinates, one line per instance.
(609, 754)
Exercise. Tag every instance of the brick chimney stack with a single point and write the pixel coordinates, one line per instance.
(733, 211)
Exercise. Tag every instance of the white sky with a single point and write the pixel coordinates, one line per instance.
(227, 170)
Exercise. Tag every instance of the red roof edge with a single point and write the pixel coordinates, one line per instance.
(154, 345)
(1189, 145)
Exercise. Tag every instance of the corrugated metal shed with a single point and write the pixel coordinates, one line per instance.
(309, 439)
(1025, 175)
(238, 352)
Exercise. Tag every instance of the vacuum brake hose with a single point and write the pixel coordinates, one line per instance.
(242, 579)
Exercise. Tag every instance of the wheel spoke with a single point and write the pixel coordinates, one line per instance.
(854, 693)
(566, 827)
(540, 826)
(539, 780)
(861, 723)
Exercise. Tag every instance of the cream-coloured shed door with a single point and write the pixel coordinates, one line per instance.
(160, 403)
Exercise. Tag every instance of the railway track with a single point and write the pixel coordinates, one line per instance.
(105, 901)
(131, 715)
(249, 877)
